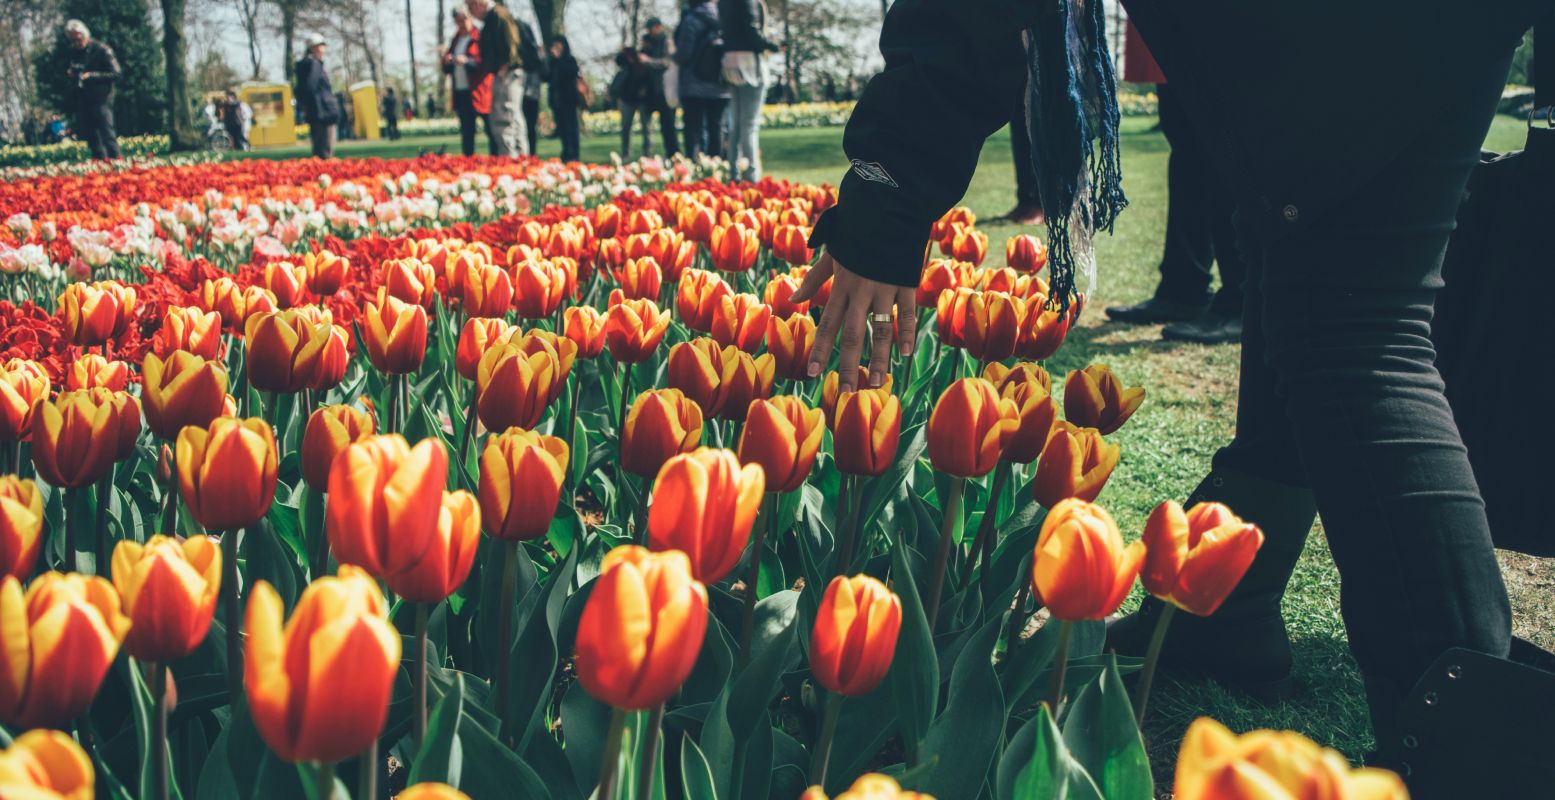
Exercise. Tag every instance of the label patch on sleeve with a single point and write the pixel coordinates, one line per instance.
(873, 172)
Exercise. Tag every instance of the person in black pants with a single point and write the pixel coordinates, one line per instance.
(391, 115)
(93, 72)
(316, 99)
(470, 91)
(702, 91)
(1345, 198)
(656, 52)
(1199, 234)
(564, 96)
(1028, 199)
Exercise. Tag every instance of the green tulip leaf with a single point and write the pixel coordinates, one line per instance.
(1101, 734)
(441, 757)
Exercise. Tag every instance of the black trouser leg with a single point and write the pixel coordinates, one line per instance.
(713, 123)
(695, 108)
(1195, 204)
(531, 108)
(667, 126)
(464, 107)
(567, 130)
(628, 112)
(1026, 191)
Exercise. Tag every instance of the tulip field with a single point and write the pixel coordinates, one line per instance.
(461, 477)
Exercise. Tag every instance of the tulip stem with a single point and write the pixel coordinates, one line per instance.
(505, 608)
(104, 492)
(1018, 613)
(753, 578)
(470, 421)
(947, 532)
(983, 545)
(421, 672)
(159, 729)
(609, 772)
(367, 778)
(1060, 666)
(626, 403)
(16, 459)
(229, 598)
(850, 524)
(326, 784)
(72, 529)
(1152, 656)
(640, 520)
(571, 432)
(822, 755)
(651, 750)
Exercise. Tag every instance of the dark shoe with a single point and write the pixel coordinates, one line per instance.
(1156, 309)
(1473, 726)
(1243, 645)
(1025, 214)
(1211, 328)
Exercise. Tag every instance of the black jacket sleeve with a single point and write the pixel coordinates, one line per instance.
(495, 45)
(103, 65)
(741, 22)
(954, 74)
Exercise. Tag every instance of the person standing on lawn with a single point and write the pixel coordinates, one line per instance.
(565, 96)
(93, 72)
(1345, 202)
(658, 53)
(699, 52)
(235, 119)
(629, 90)
(1199, 230)
(498, 58)
(391, 114)
(744, 26)
(316, 99)
(471, 93)
(536, 67)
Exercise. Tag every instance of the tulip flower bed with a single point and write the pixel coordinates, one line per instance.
(548, 507)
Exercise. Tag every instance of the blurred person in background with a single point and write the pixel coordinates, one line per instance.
(391, 114)
(471, 92)
(744, 26)
(536, 67)
(698, 51)
(316, 99)
(566, 96)
(658, 52)
(498, 48)
(236, 118)
(629, 90)
(93, 72)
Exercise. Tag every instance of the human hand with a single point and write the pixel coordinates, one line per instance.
(853, 308)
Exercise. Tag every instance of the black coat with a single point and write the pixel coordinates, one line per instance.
(744, 24)
(98, 59)
(563, 78)
(315, 98)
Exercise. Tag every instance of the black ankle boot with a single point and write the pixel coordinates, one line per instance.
(1243, 644)
(1473, 726)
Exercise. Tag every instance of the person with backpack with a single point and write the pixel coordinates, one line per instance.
(744, 24)
(472, 93)
(629, 89)
(699, 52)
(316, 98)
(566, 96)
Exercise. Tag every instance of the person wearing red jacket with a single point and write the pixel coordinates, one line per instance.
(472, 90)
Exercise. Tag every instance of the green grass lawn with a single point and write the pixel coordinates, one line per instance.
(1168, 444)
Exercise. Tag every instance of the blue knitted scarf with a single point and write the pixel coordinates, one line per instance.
(1072, 108)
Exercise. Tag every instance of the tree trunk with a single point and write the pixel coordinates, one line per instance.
(637, 10)
(248, 10)
(885, 6)
(410, 41)
(552, 15)
(288, 33)
(441, 38)
(788, 56)
(180, 127)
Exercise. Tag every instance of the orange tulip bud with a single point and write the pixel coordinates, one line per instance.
(93, 313)
(585, 326)
(741, 380)
(1025, 252)
(185, 389)
(287, 282)
(522, 473)
(189, 329)
(92, 371)
(1023, 372)
(227, 472)
(970, 427)
(696, 368)
(1216, 764)
(45, 765)
(782, 436)
(741, 321)
(1042, 330)
(384, 497)
(1193, 560)
(288, 351)
(559, 348)
(789, 342)
(641, 278)
(607, 220)
(633, 330)
(1038, 412)
(539, 286)
(937, 278)
(641, 628)
(432, 791)
(478, 336)
(946, 225)
(487, 290)
(169, 591)
(61, 638)
(866, 428)
(326, 272)
(1081, 569)
(21, 526)
(410, 280)
(734, 247)
(1075, 462)
(22, 385)
(703, 505)
(870, 786)
(779, 289)
(514, 387)
(642, 220)
(1095, 398)
(969, 245)
(831, 389)
(319, 687)
(396, 335)
(988, 324)
(441, 570)
(696, 222)
(79, 435)
(791, 243)
(698, 297)
(855, 635)
(661, 423)
(330, 430)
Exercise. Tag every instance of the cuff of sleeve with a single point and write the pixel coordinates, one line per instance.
(870, 240)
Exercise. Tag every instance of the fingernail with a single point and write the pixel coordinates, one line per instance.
(905, 351)
(875, 380)
(813, 370)
(845, 388)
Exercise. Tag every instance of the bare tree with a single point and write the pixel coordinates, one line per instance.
(410, 41)
(248, 16)
(289, 10)
(552, 16)
(180, 131)
(22, 26)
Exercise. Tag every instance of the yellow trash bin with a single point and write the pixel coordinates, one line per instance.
(272, 105)
(364, 102)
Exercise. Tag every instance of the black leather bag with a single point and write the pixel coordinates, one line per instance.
(1494, 330)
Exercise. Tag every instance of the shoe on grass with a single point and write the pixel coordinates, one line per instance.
(1212, 328)
(1025, 214)
(1156, 309)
